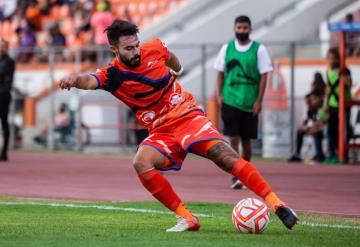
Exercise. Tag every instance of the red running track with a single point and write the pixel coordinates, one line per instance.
(319, 188)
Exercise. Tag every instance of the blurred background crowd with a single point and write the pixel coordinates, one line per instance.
(29, 24)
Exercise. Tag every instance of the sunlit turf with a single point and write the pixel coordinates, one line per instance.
(26, 222)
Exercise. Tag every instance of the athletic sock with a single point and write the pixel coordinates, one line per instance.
(274, 201)
(251, 178)
(161, 189)
(184, 212)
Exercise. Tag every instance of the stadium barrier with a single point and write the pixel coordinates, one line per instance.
(294, 69)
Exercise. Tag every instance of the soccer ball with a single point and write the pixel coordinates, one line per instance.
(250, 216)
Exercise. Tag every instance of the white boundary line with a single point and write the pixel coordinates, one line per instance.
(337, 226)
(149, 211)
(102, 207)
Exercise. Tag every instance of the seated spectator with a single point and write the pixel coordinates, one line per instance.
(27, 43)
(58, 41)
(318, 85)
(312, 125)
(33, 15)
(63, 126)
(63, 123)
(56, 37)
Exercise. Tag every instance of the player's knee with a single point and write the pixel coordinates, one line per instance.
(141, 165)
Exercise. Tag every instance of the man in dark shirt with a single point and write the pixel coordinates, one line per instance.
(7, 67)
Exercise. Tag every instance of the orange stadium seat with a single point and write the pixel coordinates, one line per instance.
(142, 12)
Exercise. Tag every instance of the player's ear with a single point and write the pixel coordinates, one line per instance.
(113, 48)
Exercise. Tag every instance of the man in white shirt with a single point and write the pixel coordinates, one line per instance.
(243, 66)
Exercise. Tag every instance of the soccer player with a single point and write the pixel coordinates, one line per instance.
(144, 78)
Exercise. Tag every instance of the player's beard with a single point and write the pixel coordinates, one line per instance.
(132, 63)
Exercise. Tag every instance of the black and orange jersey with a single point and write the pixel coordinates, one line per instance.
(149, 90)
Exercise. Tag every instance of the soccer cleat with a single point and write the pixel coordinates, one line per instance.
(287, 216)
(185, 225)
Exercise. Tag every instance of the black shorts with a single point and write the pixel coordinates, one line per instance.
(238, 122)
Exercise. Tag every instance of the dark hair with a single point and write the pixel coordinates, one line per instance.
(318, 84)
(242, 18)
(349, 17)
(120, 28)
(334, 51)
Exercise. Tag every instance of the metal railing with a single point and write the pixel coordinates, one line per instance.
(98, 56)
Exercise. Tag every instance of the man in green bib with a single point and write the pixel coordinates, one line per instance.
(332, 102)
(243, 65)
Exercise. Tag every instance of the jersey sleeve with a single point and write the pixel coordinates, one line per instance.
(109, 78)
(162, 48)
(101, 77)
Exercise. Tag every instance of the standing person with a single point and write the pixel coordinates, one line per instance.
(144, 78)
(243, 66)
(332, 102)
(7, 68)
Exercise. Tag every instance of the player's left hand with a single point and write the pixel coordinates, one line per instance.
(257, 108)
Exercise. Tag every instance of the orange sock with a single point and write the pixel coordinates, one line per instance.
(161, 189)
(273, 201)
(250, 176)
(184, 212)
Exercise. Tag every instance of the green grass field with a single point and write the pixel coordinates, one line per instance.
(26, 222)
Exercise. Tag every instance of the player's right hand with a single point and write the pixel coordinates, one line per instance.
(68, 81)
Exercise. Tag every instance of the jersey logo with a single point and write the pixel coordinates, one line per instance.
(148, 116)
(150, 64)
(234, 63)
(175, 99)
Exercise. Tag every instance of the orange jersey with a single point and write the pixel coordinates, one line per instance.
(149, 89)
